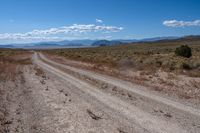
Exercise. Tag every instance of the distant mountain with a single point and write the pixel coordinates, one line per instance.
(49, 45)
(106, 43)
(88, 42)
(122, 41)
(46, 45)
(182, 39)
(158, 39)
(127, 41)
(82, 42)
(192, 37)
(7, 46)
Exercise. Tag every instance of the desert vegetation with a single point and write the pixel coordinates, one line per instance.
(10, 60)
(11, 66)
(156, 65)
(165, 55)
(184, 51)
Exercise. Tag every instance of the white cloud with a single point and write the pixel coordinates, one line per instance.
(175, 23)
(23, 37)
(65, 30)
(99, 21)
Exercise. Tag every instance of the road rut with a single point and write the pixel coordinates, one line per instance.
(140, 118)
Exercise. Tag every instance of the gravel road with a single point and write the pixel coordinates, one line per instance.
(84, 101)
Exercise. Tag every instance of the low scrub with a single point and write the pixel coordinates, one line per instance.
(184, 51)
(9, 62)
(142, 56)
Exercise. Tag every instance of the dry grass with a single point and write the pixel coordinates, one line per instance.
(142, 56)
(153, 65)
(10, 60)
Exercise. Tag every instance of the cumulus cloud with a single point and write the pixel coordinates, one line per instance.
(99, 21)
(65, 30)
(175, 23)
(19, 36)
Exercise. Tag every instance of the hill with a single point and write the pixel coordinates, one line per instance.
(106, 43)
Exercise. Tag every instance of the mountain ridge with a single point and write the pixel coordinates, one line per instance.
(103, 42)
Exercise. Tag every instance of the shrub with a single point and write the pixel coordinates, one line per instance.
(184, 51)
(186, 66)
(126, 63)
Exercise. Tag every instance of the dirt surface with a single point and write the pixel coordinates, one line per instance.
(182, 87)
(49, 97)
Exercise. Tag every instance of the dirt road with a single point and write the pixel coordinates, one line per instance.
(99, 103)
(52, 97)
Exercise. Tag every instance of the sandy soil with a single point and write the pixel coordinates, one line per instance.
(173, 85)
(49, 97)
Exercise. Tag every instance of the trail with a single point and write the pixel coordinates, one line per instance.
(117, 108)
(127, 86)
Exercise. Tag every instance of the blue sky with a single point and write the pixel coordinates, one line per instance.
(24, 21)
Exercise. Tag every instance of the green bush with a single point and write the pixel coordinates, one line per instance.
(184, 51)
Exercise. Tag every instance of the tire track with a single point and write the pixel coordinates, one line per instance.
(143, 119)
(129, 87)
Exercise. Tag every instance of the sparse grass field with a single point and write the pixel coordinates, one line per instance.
(152, 64)
(10, 59)
(22, 87)
(141, 56)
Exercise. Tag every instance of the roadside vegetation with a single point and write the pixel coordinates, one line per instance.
(181, 56)
(10, 60)
(184, 51)
(11, 64)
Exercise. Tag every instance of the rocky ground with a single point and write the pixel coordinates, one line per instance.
(50, 97)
